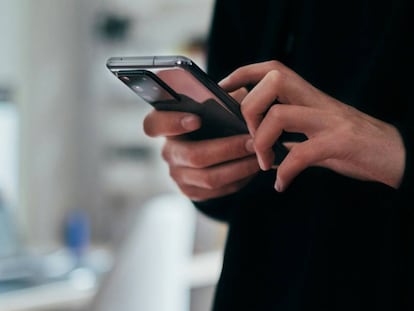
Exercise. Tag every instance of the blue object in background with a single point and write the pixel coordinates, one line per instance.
(9, 244)
(77, 233)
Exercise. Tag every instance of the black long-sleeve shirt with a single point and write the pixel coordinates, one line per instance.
(328, 242)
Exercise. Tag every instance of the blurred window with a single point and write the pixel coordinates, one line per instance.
(8, 172)
(8, 150)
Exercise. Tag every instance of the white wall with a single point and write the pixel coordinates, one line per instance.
(11, 14)
(68, 103)
(47, 95)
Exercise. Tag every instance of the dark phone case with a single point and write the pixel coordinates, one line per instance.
(217, 122)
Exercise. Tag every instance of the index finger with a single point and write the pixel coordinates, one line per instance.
(275, 81)
(249, 74)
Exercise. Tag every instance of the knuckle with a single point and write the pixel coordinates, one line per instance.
(236, 72)
(274, 64)
(209, 181)
(275, 112)
(165, 152)
(174, 174)
(247, 109)
(187, 191)
(194, 159)
(194, 194)
(197, 197)
(275, 76)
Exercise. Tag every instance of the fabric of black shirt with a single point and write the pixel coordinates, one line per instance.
(328, 242)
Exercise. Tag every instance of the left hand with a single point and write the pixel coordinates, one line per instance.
(340, 137)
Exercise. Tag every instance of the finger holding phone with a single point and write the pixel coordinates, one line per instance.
(202, 169)
(339, 137)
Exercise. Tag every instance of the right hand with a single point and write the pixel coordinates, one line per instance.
(204, 169)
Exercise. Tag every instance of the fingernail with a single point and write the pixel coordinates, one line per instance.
(222, 81)
(278, 185)
(261, 164)
(249, 145)
(190, 122)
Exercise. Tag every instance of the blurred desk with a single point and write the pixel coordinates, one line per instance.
(55, 295)
(73, 289)
(70, 295)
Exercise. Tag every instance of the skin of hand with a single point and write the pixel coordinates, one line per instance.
(202, 169)
(340, 137)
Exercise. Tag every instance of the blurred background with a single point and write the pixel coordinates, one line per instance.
(89, 217)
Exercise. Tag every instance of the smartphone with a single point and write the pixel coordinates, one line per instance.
(176, 83)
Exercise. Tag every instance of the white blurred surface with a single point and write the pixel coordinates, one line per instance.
(150, 272)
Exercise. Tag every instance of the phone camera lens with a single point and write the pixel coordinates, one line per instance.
(148, 98)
